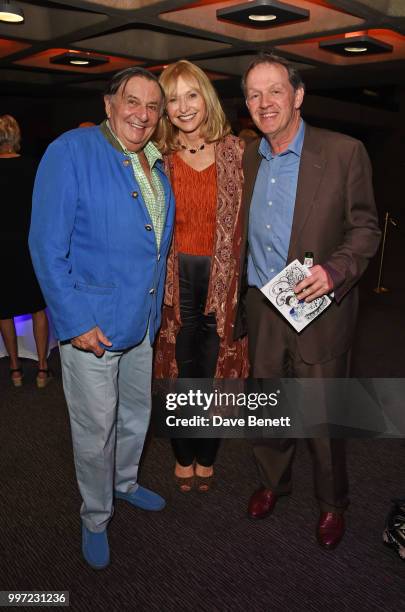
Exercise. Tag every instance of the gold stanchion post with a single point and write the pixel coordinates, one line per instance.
(380, 288)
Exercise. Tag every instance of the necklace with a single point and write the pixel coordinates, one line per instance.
(192, 150)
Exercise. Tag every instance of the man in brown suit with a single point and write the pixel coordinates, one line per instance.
(306, 189)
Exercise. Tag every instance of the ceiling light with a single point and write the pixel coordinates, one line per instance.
(349, 46)
(11, 12)
(355, 49)
(79, 58)
(371, 92)
(263, 13)
(262, 17)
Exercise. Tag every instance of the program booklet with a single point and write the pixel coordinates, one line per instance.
(280, 292)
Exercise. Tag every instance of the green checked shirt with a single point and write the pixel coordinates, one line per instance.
(153, 195)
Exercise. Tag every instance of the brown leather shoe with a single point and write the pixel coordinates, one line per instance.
(262, 503)
(330, 530)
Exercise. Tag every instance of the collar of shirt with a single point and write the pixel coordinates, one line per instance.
(295, 145)
(152, 153)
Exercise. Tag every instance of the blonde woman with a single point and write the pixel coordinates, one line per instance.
(204, 162)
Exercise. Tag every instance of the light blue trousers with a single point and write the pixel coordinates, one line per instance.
(109, 402)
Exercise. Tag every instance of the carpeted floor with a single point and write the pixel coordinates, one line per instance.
(201, 552)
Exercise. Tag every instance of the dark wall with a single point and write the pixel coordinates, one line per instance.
(43, 119)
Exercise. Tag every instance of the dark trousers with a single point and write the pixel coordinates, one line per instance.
(273, 353)
(197, 347)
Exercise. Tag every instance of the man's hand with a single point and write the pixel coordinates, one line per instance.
(314, 286)
(89, 341)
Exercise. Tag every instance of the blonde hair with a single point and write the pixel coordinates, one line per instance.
(216, 125)
(10, 134)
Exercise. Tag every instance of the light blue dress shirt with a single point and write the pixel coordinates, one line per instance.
(272, 210)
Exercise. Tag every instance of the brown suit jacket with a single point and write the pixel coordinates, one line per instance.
(335, 217)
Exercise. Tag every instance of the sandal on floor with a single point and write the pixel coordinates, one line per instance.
(204, 483)
(184, 485)
(42, 382)
(16, 380)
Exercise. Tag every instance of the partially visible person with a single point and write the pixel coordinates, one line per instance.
(394, 532)
(196, 337)
(101, 229)
(20, 293)
(247, 135)
(86, 124)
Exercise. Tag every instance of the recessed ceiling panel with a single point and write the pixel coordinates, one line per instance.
(79, 58)
(150, 44)
(263, 13)
(203, 16)
(43, 23)
(8, 47)
(358, 45)
(43, 60)
(310, 50)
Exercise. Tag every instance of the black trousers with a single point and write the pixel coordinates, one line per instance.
(197, 347)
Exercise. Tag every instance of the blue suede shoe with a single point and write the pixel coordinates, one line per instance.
(95, 548)
(142, 498)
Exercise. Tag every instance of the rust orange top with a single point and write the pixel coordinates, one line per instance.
(196, 202)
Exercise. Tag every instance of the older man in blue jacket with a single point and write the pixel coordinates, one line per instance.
(101, 228)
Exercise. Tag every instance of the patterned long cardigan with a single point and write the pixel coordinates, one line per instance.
(224, 274)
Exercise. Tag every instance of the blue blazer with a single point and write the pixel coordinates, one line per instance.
(92, 241)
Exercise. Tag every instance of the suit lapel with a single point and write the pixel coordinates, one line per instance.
(311, 170)
(251, 165)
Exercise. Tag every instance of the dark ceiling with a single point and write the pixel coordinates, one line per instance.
(348, 93)
(152, 34)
